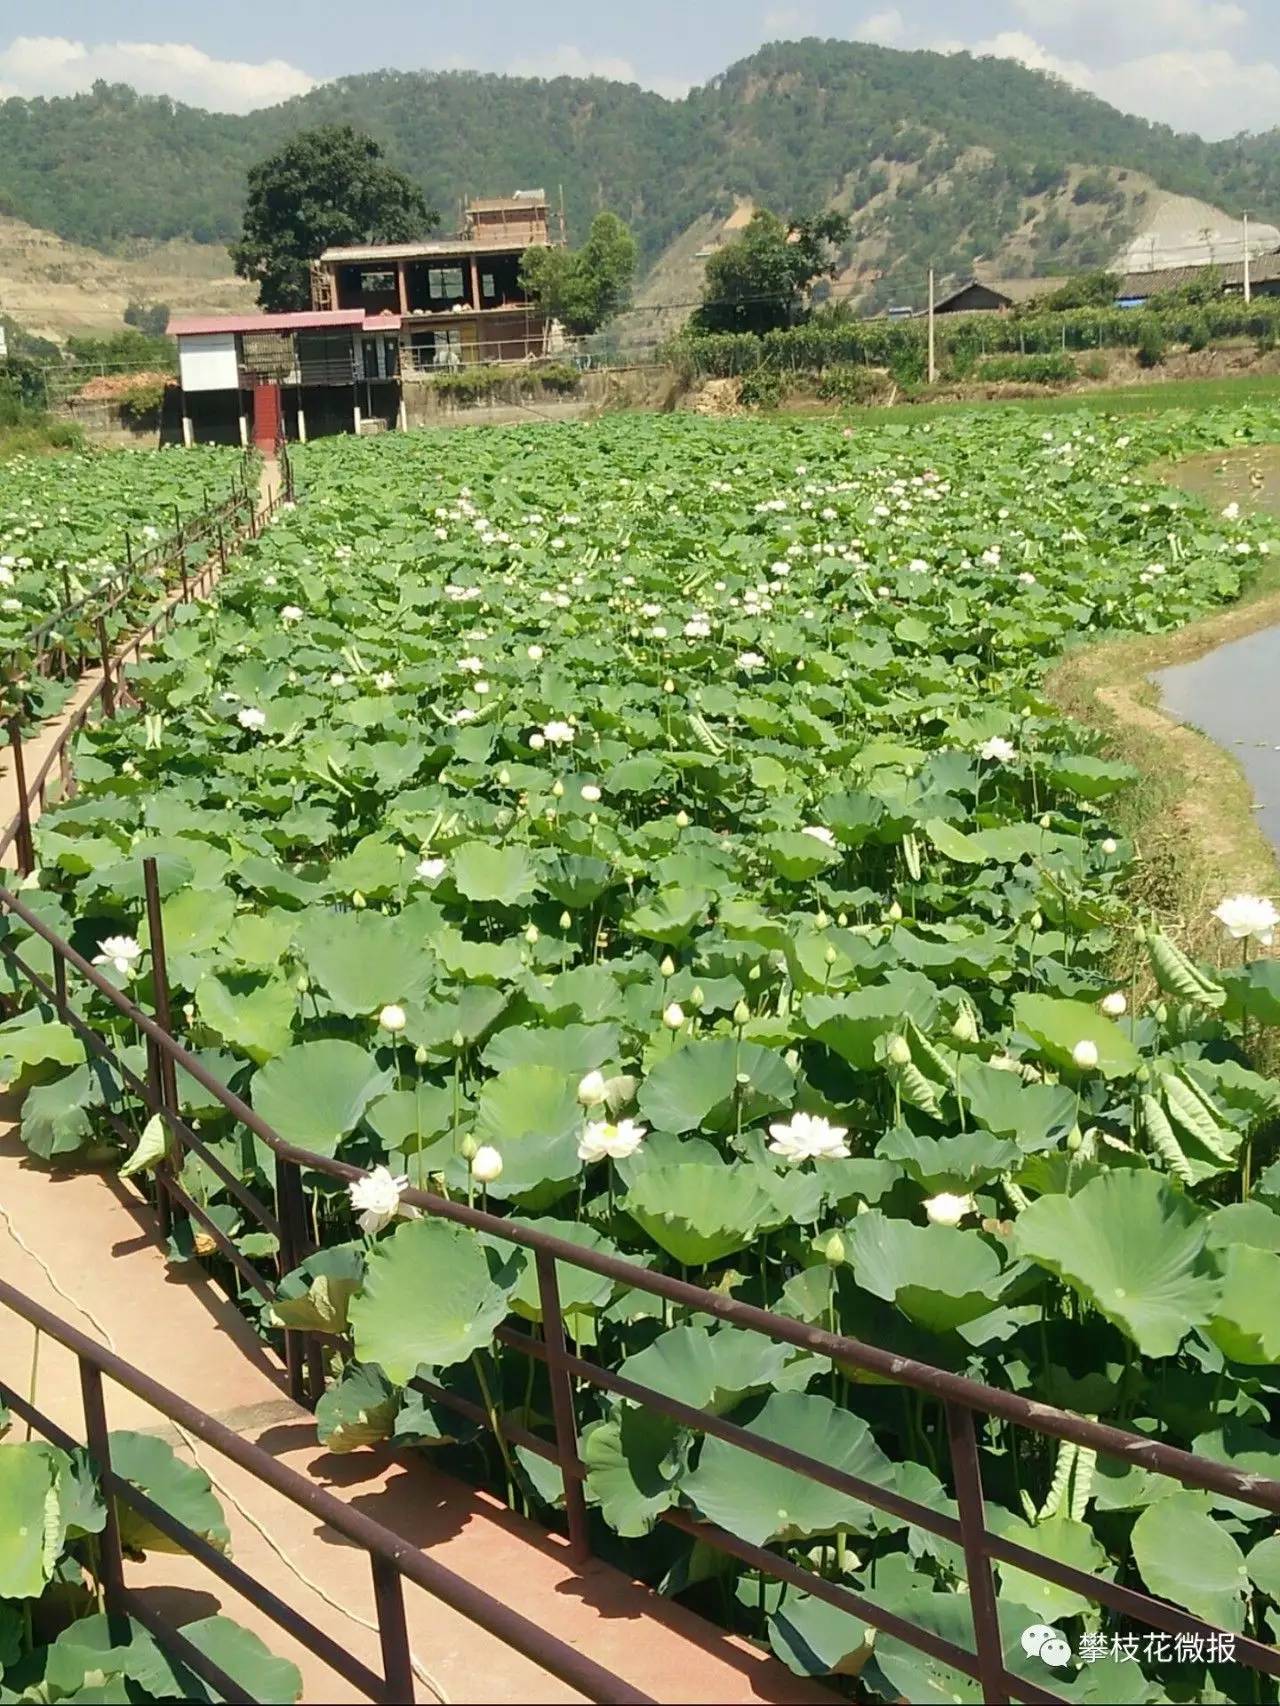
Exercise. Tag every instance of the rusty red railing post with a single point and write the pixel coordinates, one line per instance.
(393, 1633)
(967, 1472)
(110, 1559)
(104, 655)
(25, 846)
(566, 1426)
(291, 1212)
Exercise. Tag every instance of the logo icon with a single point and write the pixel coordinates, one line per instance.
(1042, 1641)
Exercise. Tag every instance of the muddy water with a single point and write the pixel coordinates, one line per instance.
(1233, 694)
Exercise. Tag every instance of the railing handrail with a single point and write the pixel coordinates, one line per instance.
(407, 1560)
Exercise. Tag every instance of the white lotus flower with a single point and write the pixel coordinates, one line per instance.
(697, 628)
(429, 869)
(384, 681)
(1085, 1054)
(393, 1018)
(119, 951)
(750, 661)
(948, 1209)
(673, 1016)
(559, 734)
(1231, 512)
(290, 614)
(486, 1164)
(1248, 916)
(537, 740)
(808, 1137)
(600, 1139)
(1114, 1005)
(377, 1196)
(251, 718)
(592, 1089)
(472, 666)
(1110, 846)
(590, 793)
(999, 750)
(818, 833)
(534, 654)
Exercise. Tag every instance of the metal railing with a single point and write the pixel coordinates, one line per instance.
(392, 1559)
(962, 1400)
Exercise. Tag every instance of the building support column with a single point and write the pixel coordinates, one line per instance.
(302, 421)
(402, 285)
(475, 283)
(402, 413)
(355, 414)
(244, 426)
(188, 431)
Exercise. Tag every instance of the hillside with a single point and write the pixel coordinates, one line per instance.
(940, 158)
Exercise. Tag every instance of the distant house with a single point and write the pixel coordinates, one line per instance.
(382, 314)
(995, 295)
(458, 299)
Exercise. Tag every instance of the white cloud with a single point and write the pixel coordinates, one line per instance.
(569, 61)
(883, 28)
(1206, 90)
(54, 65)
(1103, 30)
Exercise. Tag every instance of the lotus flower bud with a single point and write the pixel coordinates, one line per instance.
(531, 933)
(792, 1058)
(458, 1040)
(741, 1013)
(1161, 1012)
(754, 974)
(486, 1164)
(468, 1147)
(668, 685)
(965, 1028)
(1085, 1054)
(1074, 1138)
(1114, 1005)
(682, 820)
(358, 901)
(1143, 1075)
(668, 966)
(393, 1018)
(842, 918)
(420, 1055)
(566, 922)
(899, 1051)
(696, 997)
(1110, 846)
(1046, 822)
(821, 919)
(1037, 920)
(302, 984)
(557, 788)
(592, 1090)
(894, 913)
(833, 1250)
(673, 1016)
(830, 956)
(504, 777)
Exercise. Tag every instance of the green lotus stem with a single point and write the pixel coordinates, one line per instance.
(31, 1379)
(496, 1427)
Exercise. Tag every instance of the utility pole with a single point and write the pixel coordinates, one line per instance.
(933, 365)
(1248, 290)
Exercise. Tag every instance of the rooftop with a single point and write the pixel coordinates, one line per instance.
(443, 247)
(310, 320)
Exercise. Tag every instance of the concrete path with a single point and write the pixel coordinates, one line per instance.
(84, 1245)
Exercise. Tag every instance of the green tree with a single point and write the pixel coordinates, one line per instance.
(761, 280)
(583, 288)
(1089, 290)
(325, 187)
(149, 317)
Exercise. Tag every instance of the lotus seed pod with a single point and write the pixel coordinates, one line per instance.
(420, 1055)
(668, 966)
(833, 1250)
(468, 1147)
(741, 1013)
(899, 1051)
(566, 922)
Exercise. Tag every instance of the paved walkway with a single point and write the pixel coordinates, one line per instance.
(92, 1256)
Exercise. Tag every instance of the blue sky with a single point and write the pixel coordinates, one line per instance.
(1206, 65)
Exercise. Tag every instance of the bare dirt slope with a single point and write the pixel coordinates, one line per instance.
(58, 289)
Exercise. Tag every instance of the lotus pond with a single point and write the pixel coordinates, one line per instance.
(656, 830)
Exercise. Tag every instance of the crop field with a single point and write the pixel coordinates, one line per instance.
(64, 522)
(656, 831)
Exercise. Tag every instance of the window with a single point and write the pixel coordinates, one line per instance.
(444, 284)
(487, 286)
(378, 283)
(390, 357)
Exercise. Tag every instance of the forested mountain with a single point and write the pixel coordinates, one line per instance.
(939, 154)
